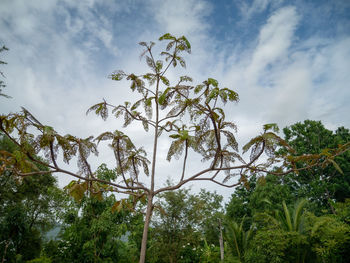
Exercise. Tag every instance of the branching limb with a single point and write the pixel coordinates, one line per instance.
(60, 170)
(52, 154)
(211, 169)
(135, 117)
(174, 116)
(171, 61)
(217, 182)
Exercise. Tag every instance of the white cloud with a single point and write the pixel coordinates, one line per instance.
(290, 97)
(275, 38)
(185, 17)
(248, 10)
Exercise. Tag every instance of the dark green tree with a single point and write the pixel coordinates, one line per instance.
(28, 209)
(238, 239)
(259, 195)
(286, 233)
(293, 235)
(182, 221)
(329, 238)
(322, 185)
(90, 233)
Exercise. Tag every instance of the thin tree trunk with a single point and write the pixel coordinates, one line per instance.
(329, 200)
(145, 229)
(5, 251)
(151, 193)
(221, 242)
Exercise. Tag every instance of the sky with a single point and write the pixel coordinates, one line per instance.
(288, 61)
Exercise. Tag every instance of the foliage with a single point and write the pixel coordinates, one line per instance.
(91, 233)
(291, 235)
(27, 210)
(265, 193)
(343, 211)
(209, 253)
(329, 238)
(238, 239)
(320, 184)
(180, 225)
(285, 235)
(40, 260)
(276, 246)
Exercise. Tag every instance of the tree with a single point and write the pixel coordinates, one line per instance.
(182, 221)
(294, 235)
(322, 185)
(251, 199)
(248, 245)
(238, 239)
(28, 209)
(91, 232)
(329, 238)
(191, 115)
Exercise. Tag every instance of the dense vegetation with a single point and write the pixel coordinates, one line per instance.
(302, 217)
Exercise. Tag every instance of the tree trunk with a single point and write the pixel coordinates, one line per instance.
(145, 229)
(329, 200)
(5, 251)
(221, 242)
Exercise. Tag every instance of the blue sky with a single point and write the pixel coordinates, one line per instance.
(288, 60)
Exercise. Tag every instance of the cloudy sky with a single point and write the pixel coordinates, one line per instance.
(288, 60)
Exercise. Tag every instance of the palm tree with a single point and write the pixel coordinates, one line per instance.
(237, 238)
(292, 221)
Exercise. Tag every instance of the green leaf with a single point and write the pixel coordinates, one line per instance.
(198, 88)
(213, 82)
(233, 96)
(162, 97)
(184, 135)
(136, 105)
(145, 125)
(100, 109)
(188, 45)
(119, 75)
(165, 80)
(252, 142)
(271, 126)
(336, 166)
(167, 36)
(185, 78)
(223, 95)
(182, 61)
(159, 65)
(150, 63)
(212, 95)
(73, 182)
